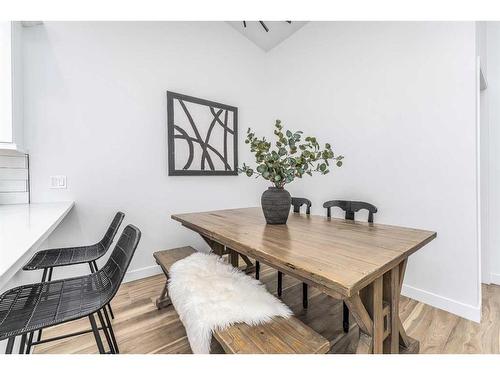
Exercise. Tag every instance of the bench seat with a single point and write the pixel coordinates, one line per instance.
(280, 335)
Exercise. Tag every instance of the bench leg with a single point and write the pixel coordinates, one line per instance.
(163, 301)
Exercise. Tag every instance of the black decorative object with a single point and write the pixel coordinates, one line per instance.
(202, 137)
(32, 307)
(276, 205)
(264, 26)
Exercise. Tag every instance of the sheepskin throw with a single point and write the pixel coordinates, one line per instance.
(209, 294)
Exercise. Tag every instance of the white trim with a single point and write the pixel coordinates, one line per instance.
(141, 273)
(495, 278)
(455, 307)
(478, 184)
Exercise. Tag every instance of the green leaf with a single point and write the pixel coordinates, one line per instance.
(289, 134)
(249, 172)
(261, 168)
(322, 167)
(339, 163)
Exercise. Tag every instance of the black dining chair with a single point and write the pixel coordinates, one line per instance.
(297, 203)
(350, 208)
(28, 308)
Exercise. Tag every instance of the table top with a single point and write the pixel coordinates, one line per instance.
(335, 254)
(23, 227)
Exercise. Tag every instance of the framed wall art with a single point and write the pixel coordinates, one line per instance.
(202, 137)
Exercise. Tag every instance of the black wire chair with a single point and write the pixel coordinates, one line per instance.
(28, 308)
(297, 203)
(47, 260)
(51, 258)
(350, 208)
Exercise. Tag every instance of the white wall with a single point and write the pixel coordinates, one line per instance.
(398, 101)
(493, 92)
(95, 111)
(6, 79)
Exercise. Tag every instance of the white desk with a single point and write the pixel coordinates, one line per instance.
(23, 228)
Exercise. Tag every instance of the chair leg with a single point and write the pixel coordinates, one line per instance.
(30, 341)
(10, 345)
(39, 337)
(305, 300)
(112, 333)
(106, 332)
(44, 278)
(95, 265)
(22, 346)
(280, 283)
(110, 311)
(91, 266)
(50, 274)
(257, 269)
(97, 337)
(345, 321)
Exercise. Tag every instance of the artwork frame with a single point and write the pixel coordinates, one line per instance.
(174, 132)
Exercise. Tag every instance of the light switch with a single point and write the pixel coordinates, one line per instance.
(58, 182)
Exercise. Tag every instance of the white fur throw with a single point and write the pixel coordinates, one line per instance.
(210, 294)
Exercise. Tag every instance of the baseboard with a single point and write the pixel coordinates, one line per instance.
(141, 273)
(455, 307)
(495, 278)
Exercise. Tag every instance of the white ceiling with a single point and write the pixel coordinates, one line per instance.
(278, 31)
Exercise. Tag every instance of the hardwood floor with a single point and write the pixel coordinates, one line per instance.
(141, 328)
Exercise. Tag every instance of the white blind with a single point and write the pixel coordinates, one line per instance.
(5, 81)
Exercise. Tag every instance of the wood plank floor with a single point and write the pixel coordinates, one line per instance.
(141, 328)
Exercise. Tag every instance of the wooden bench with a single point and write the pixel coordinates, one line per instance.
(280, 335)
(165, 259)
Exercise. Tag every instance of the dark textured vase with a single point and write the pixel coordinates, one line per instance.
(276, 205)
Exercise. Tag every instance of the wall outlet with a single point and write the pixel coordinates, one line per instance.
(58, 182)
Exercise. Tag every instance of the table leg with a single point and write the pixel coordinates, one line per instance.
(216, 247)
(233, 257)
(376, 305)
(378, 316)
(404, 340)
(250, 267)
(391, 296)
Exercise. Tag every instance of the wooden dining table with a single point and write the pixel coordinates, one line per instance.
(361, 263)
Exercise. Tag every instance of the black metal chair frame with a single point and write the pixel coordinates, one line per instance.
(26, 303)
(350, 208)
(297, 203)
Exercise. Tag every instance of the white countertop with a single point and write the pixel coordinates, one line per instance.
(23, 228)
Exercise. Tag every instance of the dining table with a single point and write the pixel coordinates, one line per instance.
(361, 263)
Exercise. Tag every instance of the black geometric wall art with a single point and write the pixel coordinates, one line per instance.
(202, 137)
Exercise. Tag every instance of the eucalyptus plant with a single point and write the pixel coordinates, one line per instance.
(291, 157)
